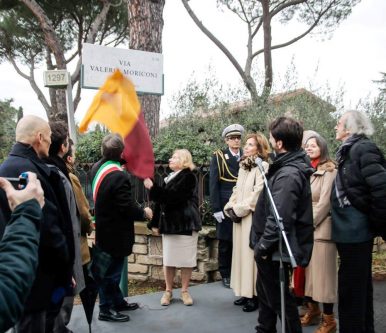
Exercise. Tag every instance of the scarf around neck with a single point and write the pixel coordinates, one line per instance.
(171, 176)
(248, 163)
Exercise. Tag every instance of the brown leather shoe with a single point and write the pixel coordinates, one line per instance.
(327, 325)
(312, 316)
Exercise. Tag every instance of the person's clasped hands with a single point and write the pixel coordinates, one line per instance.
(33, 190)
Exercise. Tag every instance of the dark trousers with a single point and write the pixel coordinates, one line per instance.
(110, 294)
(268, 292)
(225, 258)
(31, 323)
(64, 316)
(355, 288)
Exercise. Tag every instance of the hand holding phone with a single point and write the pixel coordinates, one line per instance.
(18, 183)
(33, 190)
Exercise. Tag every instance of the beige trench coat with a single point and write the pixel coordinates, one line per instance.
(321, 273)
(243, 201)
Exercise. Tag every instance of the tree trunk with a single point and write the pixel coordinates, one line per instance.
(54, 45)
(267, 49)
(145, 33)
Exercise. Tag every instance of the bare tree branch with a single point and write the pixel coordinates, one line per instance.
(72, 57)
(257, 27)
(18, 70)
(31, 79)
(285, 5)
(295, 39)
(214, 39)
(77, 96)
(243, 10)
(48, 31)
(91, 36)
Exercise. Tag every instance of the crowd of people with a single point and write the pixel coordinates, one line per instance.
(328, 208)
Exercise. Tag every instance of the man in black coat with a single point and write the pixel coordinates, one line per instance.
(224, 169)
(56, 251)
(288, 179)
(115, 213)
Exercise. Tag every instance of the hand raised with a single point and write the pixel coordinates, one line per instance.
(148, 183)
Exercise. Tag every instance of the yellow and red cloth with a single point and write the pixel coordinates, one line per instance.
(116, 105)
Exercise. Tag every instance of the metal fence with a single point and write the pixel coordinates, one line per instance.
(140, 194)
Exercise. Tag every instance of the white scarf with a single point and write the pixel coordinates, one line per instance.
(171, 176)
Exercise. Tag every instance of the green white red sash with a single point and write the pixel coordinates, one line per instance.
(103, 171)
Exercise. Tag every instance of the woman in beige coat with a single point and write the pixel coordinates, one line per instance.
(321, 273)
(242, 204)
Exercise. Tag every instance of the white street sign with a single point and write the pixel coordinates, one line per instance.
(144, 69)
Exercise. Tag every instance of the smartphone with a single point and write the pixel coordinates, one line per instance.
(18, 183)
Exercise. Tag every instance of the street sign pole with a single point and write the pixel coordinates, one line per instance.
(70, 111)
(60, 79)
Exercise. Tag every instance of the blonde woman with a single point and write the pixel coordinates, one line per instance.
(242, 204)
(177, 218)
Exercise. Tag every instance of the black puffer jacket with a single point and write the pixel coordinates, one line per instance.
(176, 210)
(363, 174)
(289, 181)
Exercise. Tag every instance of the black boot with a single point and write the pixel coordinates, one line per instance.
(226, 282)
(251, 305)
(241, 301)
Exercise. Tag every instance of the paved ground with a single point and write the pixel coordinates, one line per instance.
(213, 312)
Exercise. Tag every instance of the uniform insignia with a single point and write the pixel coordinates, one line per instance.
(226, 156)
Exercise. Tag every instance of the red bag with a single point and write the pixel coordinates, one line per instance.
(299, 281)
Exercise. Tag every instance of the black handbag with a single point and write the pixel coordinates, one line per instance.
(233, 216)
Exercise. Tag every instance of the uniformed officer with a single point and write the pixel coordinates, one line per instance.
(224, 168)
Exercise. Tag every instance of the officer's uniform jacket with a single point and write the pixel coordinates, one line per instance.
(224, 169)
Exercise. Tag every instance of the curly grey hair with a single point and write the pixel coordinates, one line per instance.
(358, 123)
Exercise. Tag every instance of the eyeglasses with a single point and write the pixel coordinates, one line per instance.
(232, 137)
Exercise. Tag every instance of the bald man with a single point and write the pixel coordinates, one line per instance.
(56, 249)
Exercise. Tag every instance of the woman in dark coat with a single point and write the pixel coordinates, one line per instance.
(177, 218)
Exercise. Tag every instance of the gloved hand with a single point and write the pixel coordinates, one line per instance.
(219, 216)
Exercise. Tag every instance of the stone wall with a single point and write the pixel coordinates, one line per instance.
(145, 263)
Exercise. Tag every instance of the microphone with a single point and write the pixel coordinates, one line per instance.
(259, 163)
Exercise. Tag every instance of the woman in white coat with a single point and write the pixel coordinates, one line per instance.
(241, 205)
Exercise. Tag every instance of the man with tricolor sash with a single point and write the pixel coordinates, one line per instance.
(115, 213)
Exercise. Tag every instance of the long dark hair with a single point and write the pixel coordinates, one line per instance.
(322, 144)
